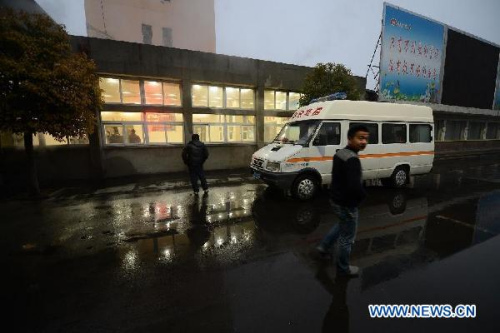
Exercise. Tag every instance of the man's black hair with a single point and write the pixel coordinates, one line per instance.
(195, 137)
(355, 129)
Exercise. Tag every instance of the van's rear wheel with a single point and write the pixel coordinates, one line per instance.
(305, 187)
(399, 177)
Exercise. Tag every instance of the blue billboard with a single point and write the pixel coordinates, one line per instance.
(411, 58)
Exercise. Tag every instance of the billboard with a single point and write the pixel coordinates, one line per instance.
(496, 101)
(411, 58)
(470, 71)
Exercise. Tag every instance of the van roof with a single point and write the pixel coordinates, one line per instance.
(363, 110)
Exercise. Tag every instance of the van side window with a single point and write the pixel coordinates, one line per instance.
(420, 133)
(328, 134)
(393, 133)
(373, 130)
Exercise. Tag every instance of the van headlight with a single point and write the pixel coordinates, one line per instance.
(273, 166)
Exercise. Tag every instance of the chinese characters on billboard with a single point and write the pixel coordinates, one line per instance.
(411, 58)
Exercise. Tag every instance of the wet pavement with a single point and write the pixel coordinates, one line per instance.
(241, 259)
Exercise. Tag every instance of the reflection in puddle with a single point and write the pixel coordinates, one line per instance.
(398, 229)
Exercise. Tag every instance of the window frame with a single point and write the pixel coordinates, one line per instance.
(497, 136)
(275, 126)
(224, 97)
(431, 132)
(287, 97)
(316, 135)
(395, 124)
(363, 123)
(482, 133)
(463, 135)
(225, 124)
(142, 91)
(144, 124)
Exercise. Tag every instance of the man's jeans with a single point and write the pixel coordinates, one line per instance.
(196, 172)
(345, 232)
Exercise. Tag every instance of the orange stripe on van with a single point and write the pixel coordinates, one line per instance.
(329, 158)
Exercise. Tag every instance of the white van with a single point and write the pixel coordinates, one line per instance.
(300, 158)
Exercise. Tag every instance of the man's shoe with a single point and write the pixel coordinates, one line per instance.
(352, 272)
(322, 252)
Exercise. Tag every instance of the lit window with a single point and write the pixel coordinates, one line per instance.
(153, 92)
(164, 127)
(293, 101)
(129, 128)
(121, 116)
(280, 100)
(114, 134)
(234, 133)
(215, 97)
(232, 98)
(269, 100)
(172, 94)
(247, 99)
(7, 139)
(45, 139)
(208, 118)
(111, 89)
(131, 93)
(175, 134)
(75, 140)
(216, 133)
(135, 134)
(202, 131)
(200, 95)
(248, 133)
(272, 126)
(219, 128)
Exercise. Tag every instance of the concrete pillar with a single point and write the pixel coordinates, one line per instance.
(97, 167)
(187, 108)
(259, 116)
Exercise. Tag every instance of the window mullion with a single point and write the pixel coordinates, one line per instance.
(120, 87)
(146, 133)
(208, 96)
(165, 132)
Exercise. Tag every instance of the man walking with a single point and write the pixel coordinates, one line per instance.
(194, 155)
(346, 192)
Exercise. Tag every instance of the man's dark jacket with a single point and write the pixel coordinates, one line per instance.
(195, 153)
(347, 186)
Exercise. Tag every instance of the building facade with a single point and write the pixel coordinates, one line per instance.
(157, 97)
(186, 24)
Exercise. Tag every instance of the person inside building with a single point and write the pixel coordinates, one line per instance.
(116, 137)
(133, 138)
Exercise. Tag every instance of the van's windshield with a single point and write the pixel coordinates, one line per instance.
(297, 133)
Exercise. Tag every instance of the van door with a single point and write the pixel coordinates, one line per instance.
(323, 147)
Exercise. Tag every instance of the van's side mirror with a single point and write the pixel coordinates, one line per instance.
(317, 141)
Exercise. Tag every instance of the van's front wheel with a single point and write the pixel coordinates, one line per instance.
(304, 187)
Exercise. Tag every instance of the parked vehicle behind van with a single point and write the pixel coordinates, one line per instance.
(300, 157)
